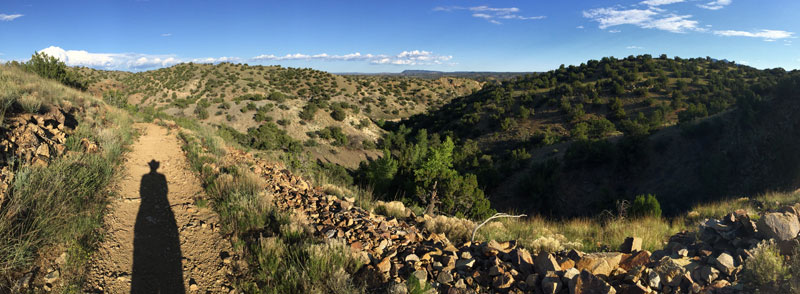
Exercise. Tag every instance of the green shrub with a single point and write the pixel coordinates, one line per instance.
(308, 111)
(765, 268)
(338, 114)
(115, 98)
(51, 68)
(645, 205)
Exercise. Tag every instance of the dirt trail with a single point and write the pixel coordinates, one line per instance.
(158, 240)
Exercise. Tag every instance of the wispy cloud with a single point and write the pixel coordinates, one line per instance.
(9, 17)
(413, 57)
(491, 14)
(579, 27)
(650, 18)
(635, 47)
(166, 35)
(124, 61)
(660, 2)
(767, 35)
(715, 5)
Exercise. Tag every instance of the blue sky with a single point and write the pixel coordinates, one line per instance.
(391, 36)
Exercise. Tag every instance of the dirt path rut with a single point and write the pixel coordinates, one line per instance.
(157, 239)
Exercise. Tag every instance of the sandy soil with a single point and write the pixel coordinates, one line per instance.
(157, 240)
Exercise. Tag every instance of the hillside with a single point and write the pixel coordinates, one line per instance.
(215, 213)
(517, 138)
(301, 102)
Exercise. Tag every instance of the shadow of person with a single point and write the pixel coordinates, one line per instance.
(156, 247)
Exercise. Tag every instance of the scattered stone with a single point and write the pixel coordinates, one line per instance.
(444, 278)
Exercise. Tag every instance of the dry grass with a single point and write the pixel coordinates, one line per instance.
(394, 209)
(457, 230)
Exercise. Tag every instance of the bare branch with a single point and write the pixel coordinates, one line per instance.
(496, 215)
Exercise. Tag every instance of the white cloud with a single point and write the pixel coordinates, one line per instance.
(650, 18)
(715, 5)
(635, 47)
(579, 27)
(414, 57)
(614, 31)
(673, 23)
(9, 17)
(660, 2)
(166, 34)
(123, 61)
(609, 17)
(767, 35)
(491, 14)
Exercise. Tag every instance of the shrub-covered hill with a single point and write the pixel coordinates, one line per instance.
(567, 142)
(333, 116)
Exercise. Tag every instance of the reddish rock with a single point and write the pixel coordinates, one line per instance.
(638, 259)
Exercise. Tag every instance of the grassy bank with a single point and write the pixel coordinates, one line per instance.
(59, 207)
(281, 253)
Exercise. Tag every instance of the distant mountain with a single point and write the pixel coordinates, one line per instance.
(482, 76)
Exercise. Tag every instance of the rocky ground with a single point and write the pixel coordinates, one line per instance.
(709, 260)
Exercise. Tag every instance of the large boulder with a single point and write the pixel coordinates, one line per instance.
(780, 226)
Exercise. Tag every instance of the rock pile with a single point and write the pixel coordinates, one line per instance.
(32, 138)
(708, 261)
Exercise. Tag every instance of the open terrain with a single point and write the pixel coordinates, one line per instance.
(196, 206)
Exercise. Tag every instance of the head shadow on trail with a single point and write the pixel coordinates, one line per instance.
(156, 247)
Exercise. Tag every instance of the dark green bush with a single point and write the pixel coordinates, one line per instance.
(51, 68)
(645, 205)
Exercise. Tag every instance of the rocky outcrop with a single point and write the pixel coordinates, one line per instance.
(709, 260)
(32, 138)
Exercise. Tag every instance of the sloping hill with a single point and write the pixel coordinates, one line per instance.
(512, 137)
(745, 151)
(301, 102)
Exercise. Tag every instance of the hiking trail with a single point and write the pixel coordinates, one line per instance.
(157, 239)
